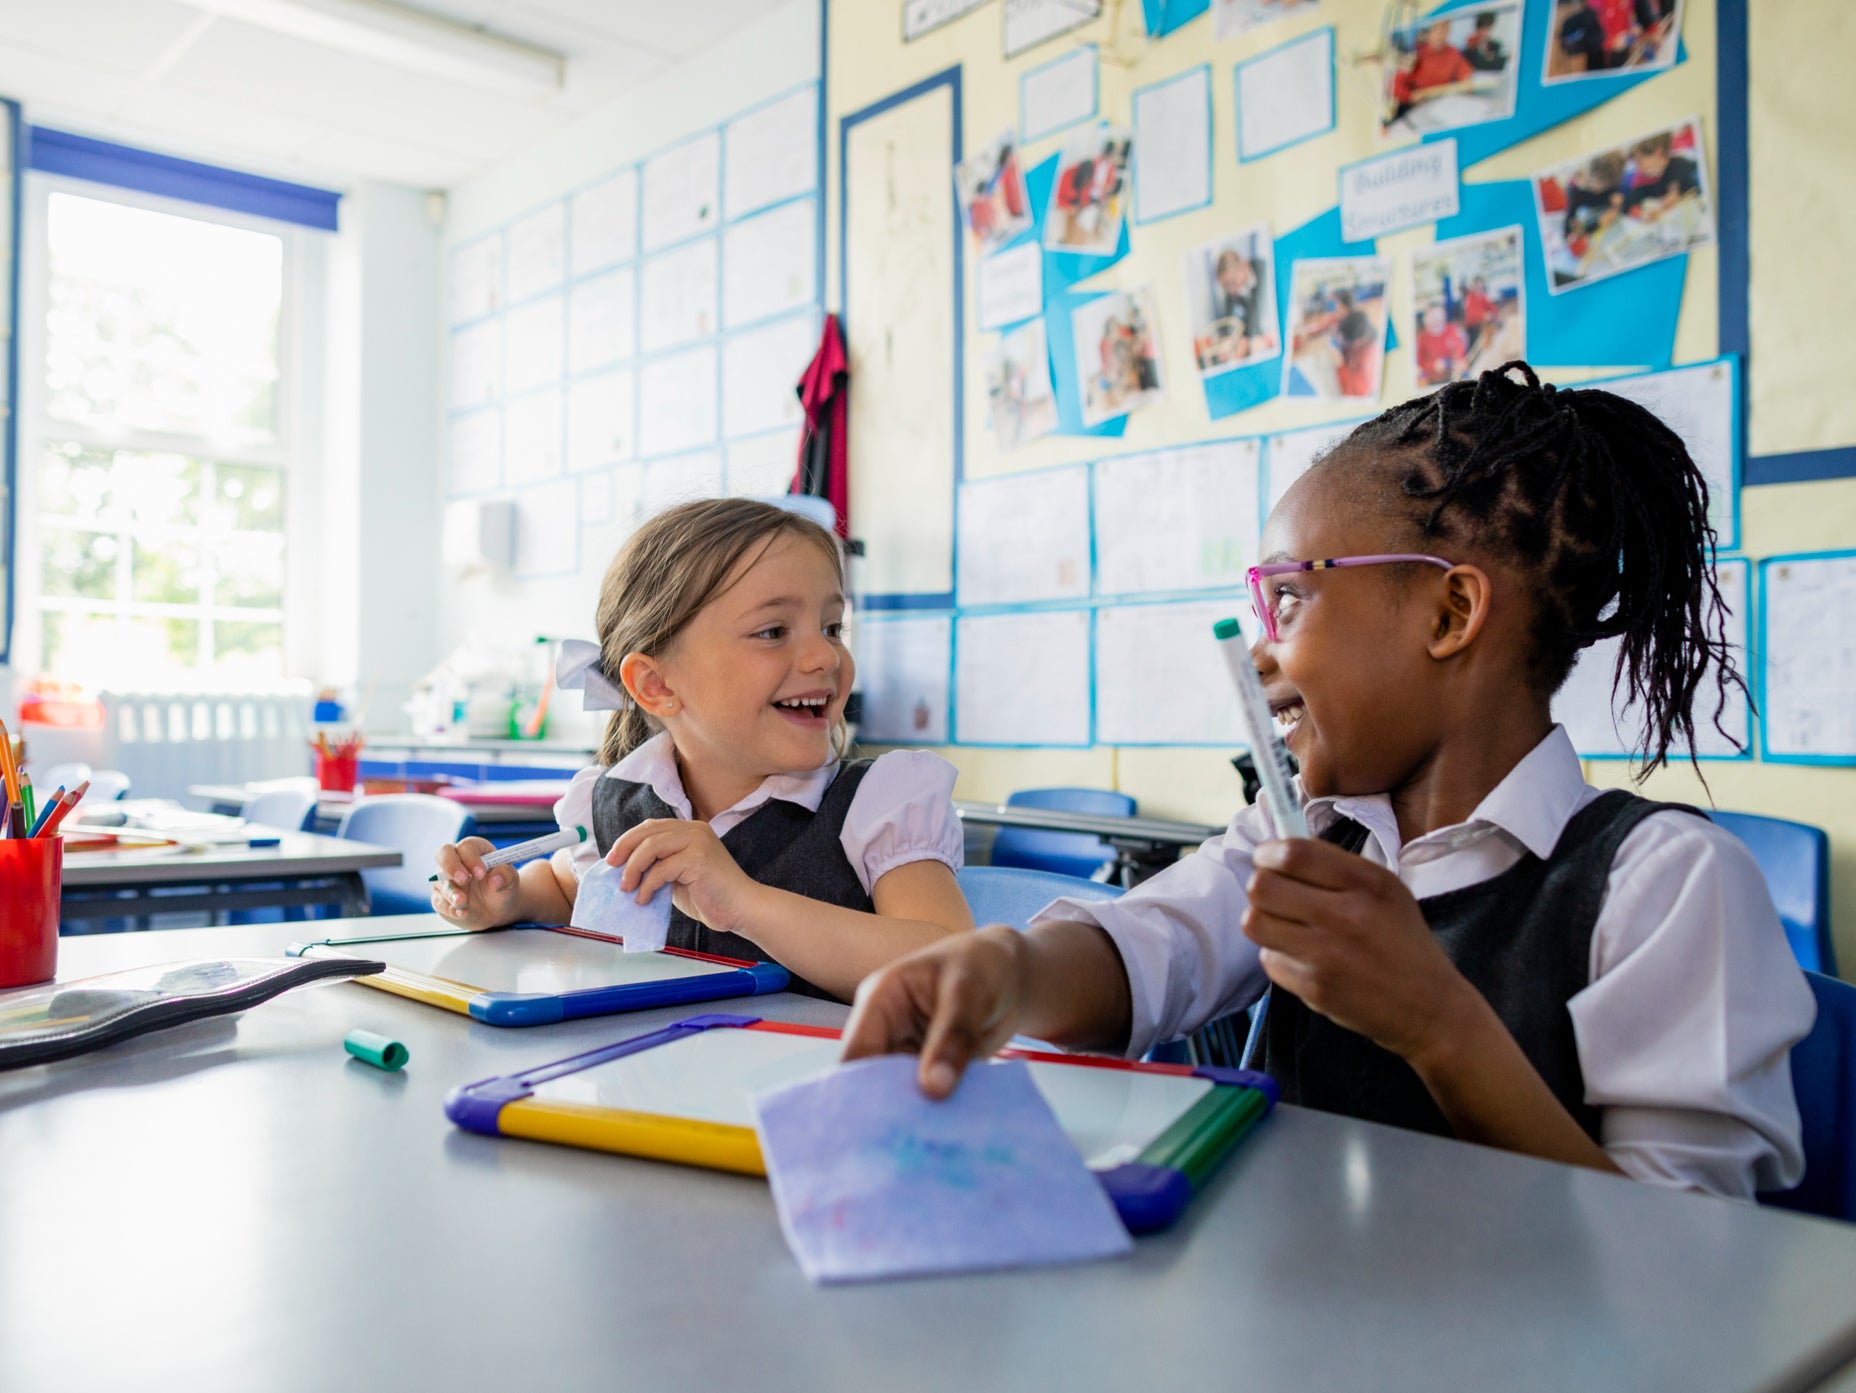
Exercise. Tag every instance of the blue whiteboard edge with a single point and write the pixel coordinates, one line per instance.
(1147, 1198)
(126, 167)
(517, 1009)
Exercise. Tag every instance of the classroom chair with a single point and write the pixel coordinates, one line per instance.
(1824, 1078)
(68, 775)
(106, 786)
(1796, 860)
(416, 825)
(285, 809)
(1065, 853)
(1011, 894)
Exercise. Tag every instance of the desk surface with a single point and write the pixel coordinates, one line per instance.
(297, 854)
(236, 1205)
(1126, 829)
(331, 806)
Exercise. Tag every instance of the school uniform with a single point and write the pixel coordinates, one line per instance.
(1630, 947)
(829, 834)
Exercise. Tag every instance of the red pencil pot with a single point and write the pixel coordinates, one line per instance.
(30, 871)
(337, 772)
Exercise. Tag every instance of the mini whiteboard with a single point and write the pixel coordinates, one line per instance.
(1160, 677)
(1022, 678)
(905, 671)
(1024, 537)
(1700, 403)
(1600, 731)
(1807, 642)
(1181, 519)
(535, 976)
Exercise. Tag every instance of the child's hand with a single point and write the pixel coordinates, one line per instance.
(954, 1001)
(468, 893)
(1347, 937)
(688, 855)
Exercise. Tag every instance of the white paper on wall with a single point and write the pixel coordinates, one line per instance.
(1022, 678)
(548, 530)
(1180, 519)
(532, 437)
(477, 364)
(1809, 612)
(760, 375)
(476, 450)
(1160, 677)
(676, 294)
(676, 402)
(1024, 537)
(535, 344)
(1700, 404)
(1172, 146)
(604, 223)
(537, 252)
(771, 154)
(770, 263)
(601, 423)
(762, 466)
(476, 279)
(905, 670)
(682, 191)
(602, 314)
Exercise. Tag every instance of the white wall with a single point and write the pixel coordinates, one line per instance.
(763, 60)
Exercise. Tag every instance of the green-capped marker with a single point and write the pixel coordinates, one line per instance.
(376, 1050)
(1226, 628)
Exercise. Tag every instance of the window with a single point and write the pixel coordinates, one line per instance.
(160, 448)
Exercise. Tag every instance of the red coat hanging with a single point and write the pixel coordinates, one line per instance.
(824, 448)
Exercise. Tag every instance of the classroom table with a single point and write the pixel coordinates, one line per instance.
(302, 869)
(237, 1205)
(501, 823)
(1143, 845)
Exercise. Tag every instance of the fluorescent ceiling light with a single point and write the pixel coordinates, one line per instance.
(405, 38)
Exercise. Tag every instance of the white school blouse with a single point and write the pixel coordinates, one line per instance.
(1684, 1033)
(903, 810)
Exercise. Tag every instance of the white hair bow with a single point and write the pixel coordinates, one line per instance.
(579, 671)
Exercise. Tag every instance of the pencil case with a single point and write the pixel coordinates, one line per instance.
(62, 1019)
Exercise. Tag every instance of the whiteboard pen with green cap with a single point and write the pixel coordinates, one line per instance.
(1266, 747)
(537, 846)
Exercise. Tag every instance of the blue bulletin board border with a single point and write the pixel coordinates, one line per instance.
(1764, 658)
(1325, 32)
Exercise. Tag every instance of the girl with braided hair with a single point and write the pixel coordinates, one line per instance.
(1474, 942)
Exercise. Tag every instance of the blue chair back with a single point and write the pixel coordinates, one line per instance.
(1796, 860)
(286, 809)
(1011, 895)
(414, 824)
(1065, 853)
(1824, 1078)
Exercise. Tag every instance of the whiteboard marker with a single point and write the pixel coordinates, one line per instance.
(1266, 747)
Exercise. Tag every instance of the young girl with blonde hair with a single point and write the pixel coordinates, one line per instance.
(723, 771)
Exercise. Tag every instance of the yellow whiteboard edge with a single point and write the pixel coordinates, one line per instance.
(716, 1145)
(433, 991)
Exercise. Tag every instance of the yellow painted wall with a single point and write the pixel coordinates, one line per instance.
(1805, 214)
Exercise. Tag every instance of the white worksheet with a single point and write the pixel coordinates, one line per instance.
(475, 450)
(601, 422)
(1700, 403)
(1173, 145)
(532, 437)
(1808, 613)
(760, 375)
(535, 347)
(1287, 457)
(1024, 537)
(477, 364)
(676, 296)
(1179, 519)
(904, 670)
(771, 154)
(536, 255)
(1028, 23)
(1058, 94)
(682, 191)
(1286, 95)
(676, 402)
(603, 223)
(476, 279)
(602, 320)
(1022, 678)
(548, 530)
(1604, 729)
(770, 263)
(681, 478)
(762, 466)
(1011, 286)
(1160, 677)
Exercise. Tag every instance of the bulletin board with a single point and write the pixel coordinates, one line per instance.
(1276, 132)
(638, 341)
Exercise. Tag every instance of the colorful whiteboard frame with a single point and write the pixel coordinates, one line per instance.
(546, 1008)
(1149, 1192)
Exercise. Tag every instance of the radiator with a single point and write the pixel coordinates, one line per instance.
(165, 741)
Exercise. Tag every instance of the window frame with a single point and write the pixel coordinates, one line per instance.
(302, 300)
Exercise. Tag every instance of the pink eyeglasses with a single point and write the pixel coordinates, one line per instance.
(1266, 611)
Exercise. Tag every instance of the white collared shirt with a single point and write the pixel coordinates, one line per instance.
(1684, 1033)
(903, 810)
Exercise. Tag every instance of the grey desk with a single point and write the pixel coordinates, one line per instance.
(1143, 845)
(303, 869)
(491, 817)
(239, 1207)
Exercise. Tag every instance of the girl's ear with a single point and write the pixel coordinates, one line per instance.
(644, 680)
(1462, 610)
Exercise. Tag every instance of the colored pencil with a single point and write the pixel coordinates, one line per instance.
(45, 813)
(63, 810)
(25, 796)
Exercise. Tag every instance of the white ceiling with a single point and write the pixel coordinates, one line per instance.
(169, 76)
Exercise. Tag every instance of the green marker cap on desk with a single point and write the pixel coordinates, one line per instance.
(376, 1050)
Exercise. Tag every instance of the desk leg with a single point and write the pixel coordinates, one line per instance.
(354, 896)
